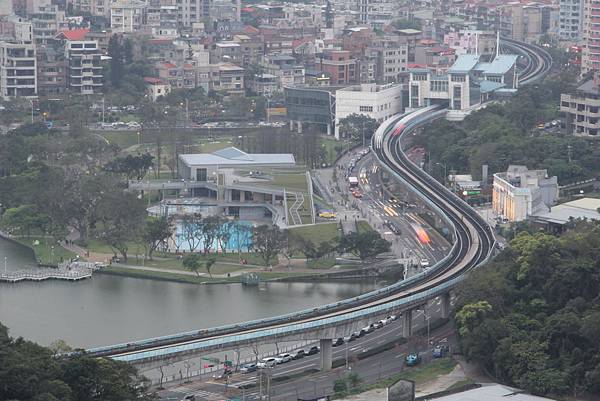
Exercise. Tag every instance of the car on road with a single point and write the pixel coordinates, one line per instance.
(350, 337)
(190, 397)
(440, 351)
(424, 263)
(367, 330)
(377, 325)
(283, 358)
(267, 363)
(299, 354)
(338, 342)
(248, 367)
(413, 359)
(313, 350)
(391, 318)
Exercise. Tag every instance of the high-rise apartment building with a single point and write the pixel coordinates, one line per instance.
(84, 70)
(18, 75)
(571, 20)
(590, 58)
(192, 11)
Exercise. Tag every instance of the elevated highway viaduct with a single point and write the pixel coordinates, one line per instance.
(473, 245)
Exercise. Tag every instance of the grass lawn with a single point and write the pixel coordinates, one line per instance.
(123, 139)
(95, 245)
(420, 374)
(330, 144)
(363, 226)
(318, 233)
(321, 263)
(43, 251)
(290, 181)
(209, 147)
(123, 271)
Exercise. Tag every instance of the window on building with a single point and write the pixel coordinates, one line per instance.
(419, 76)
(458, 78)
(201, 174)
(367, 109)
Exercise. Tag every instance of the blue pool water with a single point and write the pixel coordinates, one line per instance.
(240, 237)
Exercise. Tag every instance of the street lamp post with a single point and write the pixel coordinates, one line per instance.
(138, 138)
(31, 103)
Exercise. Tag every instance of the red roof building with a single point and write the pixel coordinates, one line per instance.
(74, 34)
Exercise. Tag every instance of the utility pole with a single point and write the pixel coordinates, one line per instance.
(102, 109)
(569, 148)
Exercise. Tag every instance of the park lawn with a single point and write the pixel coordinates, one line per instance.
(363, 226)
(318, 233)
(43, 251)
(123, 139)
(98, 246)
(330, 145)
(184, 278)
(295, 182)
(176, 265)
(420, 374)
(167, 276)
(321, 263)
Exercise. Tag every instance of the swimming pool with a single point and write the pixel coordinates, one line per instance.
(191, 239)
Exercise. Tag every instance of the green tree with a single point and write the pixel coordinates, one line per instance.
(115, 52)
(358, 127)
(122, 215)
(209, 264)
(192, 262)
(268, 241)
(340, 387)
(24, 219)
(365, 245)
(156, 233)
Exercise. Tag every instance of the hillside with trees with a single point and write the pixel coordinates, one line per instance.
(506, 133)
(30, 372)
(531, 318)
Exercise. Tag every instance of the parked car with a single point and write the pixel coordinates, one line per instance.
(283, 358)
(338, 342)
(413, 359)
(313, 350)
(266, 363)
(248, 367)
(299, 354)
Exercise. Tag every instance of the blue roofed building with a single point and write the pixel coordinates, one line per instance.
(466, 85)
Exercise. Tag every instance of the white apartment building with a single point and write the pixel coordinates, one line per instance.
(376, 101)
(590, 58)
(519, 193)
(84, 69)
(127, 15)
(18, 70)
(571, 20)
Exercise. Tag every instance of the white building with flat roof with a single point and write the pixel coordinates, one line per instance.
(520, 193)
(379, 102)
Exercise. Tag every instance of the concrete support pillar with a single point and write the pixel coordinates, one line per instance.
(291, 125)
(326, 354)
(242, 196)
(299, 127)
(407, 323)
(445, 305)
(328, 129)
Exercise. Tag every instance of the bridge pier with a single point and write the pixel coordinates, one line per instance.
(445, 305)
(326, 354)
(407, 323)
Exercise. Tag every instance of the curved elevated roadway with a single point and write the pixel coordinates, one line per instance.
(473, 245)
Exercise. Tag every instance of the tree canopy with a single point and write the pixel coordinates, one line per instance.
(532, 317)
(29, 372)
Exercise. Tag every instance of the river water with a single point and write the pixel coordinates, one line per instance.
(108, 309)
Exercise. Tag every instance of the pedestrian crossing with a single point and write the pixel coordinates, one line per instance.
(196, 389)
